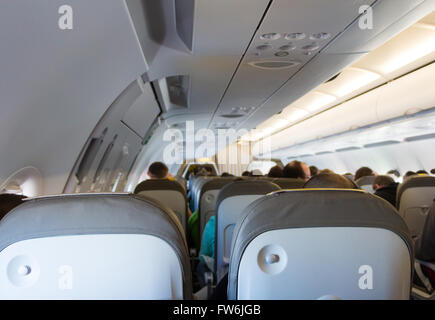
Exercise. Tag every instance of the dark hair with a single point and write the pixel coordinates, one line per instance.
(294, 170)
(329, 180)
(382, 181)
(409, 173)
(275, 172)
(158, 170)
(329, 171)
(313, 170)
(246, 174)
(8, 201)
(363, 172)
(226, 174)
(422, 172)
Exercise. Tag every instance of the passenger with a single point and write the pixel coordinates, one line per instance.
(246, 174)
(8, 201)
(157, 170)
(330, 180)
(409, 174)
(313, 170)
(328, 171)
(422, 172)
(206, 253)
(386, 188)
(226, 175)
(297, 170)
(275, 172)
(363, 172)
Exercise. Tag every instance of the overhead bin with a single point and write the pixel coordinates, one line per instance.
(386, 102)
(389, 18)
(396, 100)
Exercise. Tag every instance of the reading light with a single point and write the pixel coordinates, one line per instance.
(295, 36)
(287, 47)
(359, 80)
(320, 36)
(319, 100)
(270, 36)
(281, 54)
(311, 47)
(263, 47)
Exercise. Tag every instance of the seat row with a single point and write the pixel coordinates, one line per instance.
(292, 244)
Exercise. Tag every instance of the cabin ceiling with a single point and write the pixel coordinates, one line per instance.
(223, 88)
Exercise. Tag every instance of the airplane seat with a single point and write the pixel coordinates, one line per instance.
(309, 244)
(231, 201)
(424, 278)
(349, 176)
(289, 183)
(414, 200)
(366, 183)
(93, 246)
(182, 182)
(171, 193)
(207, 199)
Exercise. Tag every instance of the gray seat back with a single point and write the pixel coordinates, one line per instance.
(289, 183)
(168, 192)
(313, 244)
(366, 183)
(231, 201)
(414, 200)
(93, 246)
(425, 245)
(207, 199)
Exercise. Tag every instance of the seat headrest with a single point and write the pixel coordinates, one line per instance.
(159, 184)
(216, 183)
(313, 208)
(245, 187)
(79, 214)
(88, 214)
(414, 182)
(366, 180)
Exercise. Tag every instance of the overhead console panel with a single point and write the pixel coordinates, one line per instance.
(193, 48)
(389, 18)
(291, 34)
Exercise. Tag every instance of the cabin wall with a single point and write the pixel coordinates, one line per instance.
(415, 155)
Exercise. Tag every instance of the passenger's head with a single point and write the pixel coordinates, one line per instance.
(382, 181)
(157, 170)
(409, 174)
(8, 201)
(422, 172)
(246, 174)
(226, 175)
(297, 170)
(329, 180)
(326, 171)
(313, 171)
(275, 172)
(363, 172)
